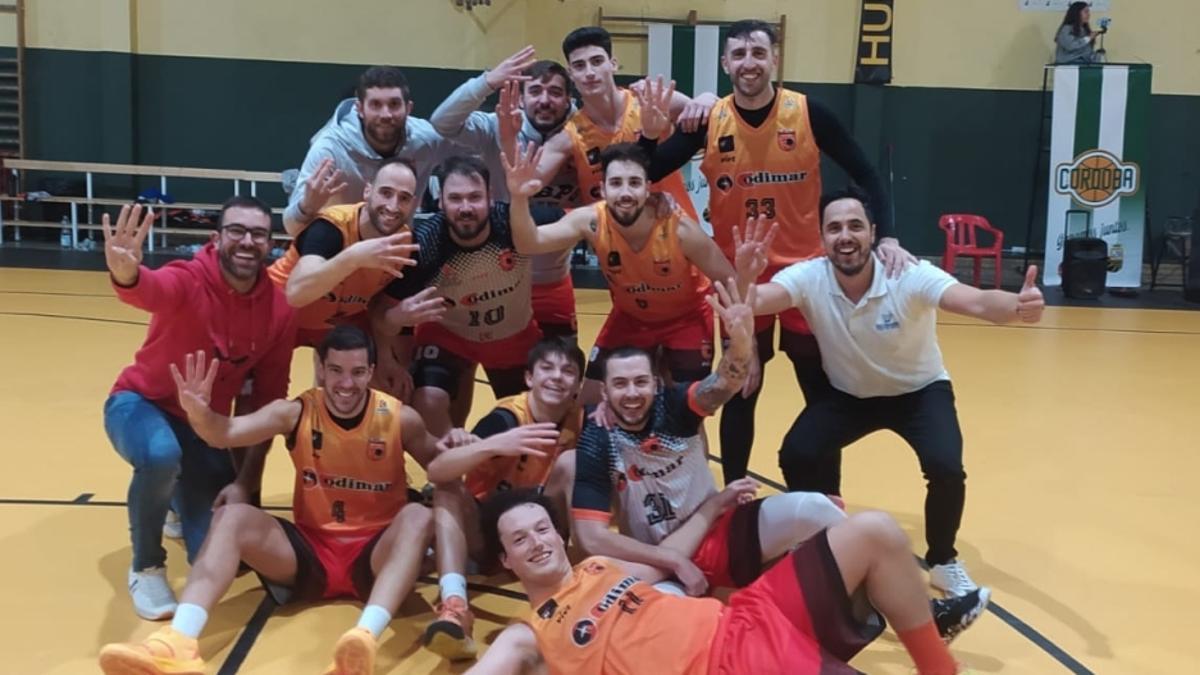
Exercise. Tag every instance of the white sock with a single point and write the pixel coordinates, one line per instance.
(452, 584)
(374, 618)
(189, 619)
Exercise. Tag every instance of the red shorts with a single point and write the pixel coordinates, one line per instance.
(509, 352)
(687, 342)
(331, 566)
(311, 337)
(554, 307)
(731, 553)
(796, 618)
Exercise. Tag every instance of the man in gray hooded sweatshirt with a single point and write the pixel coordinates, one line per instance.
(344, 154)
(546, 104)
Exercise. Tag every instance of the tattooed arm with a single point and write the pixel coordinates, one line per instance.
(737, 315)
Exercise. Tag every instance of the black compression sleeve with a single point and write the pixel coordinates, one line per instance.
(833, 140)
(322, 238)
(496, 422)
(670, 155)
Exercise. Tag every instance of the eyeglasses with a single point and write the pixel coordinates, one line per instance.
(258, 235)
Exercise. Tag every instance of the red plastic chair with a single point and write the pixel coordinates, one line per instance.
(962, 239)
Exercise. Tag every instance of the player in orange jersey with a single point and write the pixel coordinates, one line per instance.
(527, 441)
(346, 255)
(809, 614)
(609, 115)
(658, 267)
(354, 534)
(762, 149)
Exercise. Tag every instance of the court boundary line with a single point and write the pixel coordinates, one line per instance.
(1024, 629)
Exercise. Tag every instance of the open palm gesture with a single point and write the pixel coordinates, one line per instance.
(123, 243)
(196, 383)
(522, 172)
(654, 100)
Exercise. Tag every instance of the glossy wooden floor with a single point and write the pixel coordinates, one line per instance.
(1081, 512)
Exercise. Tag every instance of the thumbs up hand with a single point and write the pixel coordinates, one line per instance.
(1030, 302)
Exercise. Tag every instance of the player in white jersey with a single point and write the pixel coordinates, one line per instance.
(654, 459)
(466, 252)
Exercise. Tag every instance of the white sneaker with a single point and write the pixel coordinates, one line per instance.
(173, 527)
(153, 598)
(952, 579)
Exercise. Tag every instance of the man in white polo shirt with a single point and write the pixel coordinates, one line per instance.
(878, 341)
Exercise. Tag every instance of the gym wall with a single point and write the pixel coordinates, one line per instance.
(244, 85)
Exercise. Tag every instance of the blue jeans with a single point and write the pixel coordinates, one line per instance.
(171, 465)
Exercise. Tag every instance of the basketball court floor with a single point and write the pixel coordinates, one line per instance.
(1081, 510)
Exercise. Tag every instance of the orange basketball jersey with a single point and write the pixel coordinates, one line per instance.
(657, 283)
(504, 473)
(348, 480)
(606, 621)
(774, 170)
(588, 140)
(348, 298)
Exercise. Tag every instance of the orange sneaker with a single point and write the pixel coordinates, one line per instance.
(165, 651)
(450, 635)
(354, 653)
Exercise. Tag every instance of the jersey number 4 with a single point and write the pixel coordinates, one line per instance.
(764, 207)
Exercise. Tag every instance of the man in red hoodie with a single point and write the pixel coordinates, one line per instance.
(221, 301)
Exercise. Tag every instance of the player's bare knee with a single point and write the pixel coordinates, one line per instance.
(416, 518)
(882, 529)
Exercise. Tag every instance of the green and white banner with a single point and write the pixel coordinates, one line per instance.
(1098, 150)
(690, 55)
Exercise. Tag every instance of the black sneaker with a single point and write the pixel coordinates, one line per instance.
(954, 615)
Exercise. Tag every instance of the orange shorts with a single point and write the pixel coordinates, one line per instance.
(795, 618)
(554, 307)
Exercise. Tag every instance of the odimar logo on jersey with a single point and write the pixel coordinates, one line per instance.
(1097, 177)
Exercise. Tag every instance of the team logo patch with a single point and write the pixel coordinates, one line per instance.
(376, 449)
(724, 182)
(663, 267)
(614, 262)
(725, 144)
(547, 610)
(593, 567)
(786, 139)
(583, 632)
(1096, 178)
(593, 156)
(507, 260)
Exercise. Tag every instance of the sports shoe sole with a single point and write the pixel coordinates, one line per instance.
(985, 596)
(354, 657)
(447, 639)
(130, 663)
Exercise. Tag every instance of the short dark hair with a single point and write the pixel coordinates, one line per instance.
(243, 202)
(382, 77)
(500, 503)
(403, 161)
(347, 338)
(587, 36)
(625, 353)
(555, 345)
(744, 28)
(624, 152)
(544, 70)
(849, 192)
(465, 165)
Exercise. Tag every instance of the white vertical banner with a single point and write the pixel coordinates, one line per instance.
(1098, 143)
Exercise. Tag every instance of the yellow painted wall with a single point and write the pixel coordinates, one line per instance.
(985, 44)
